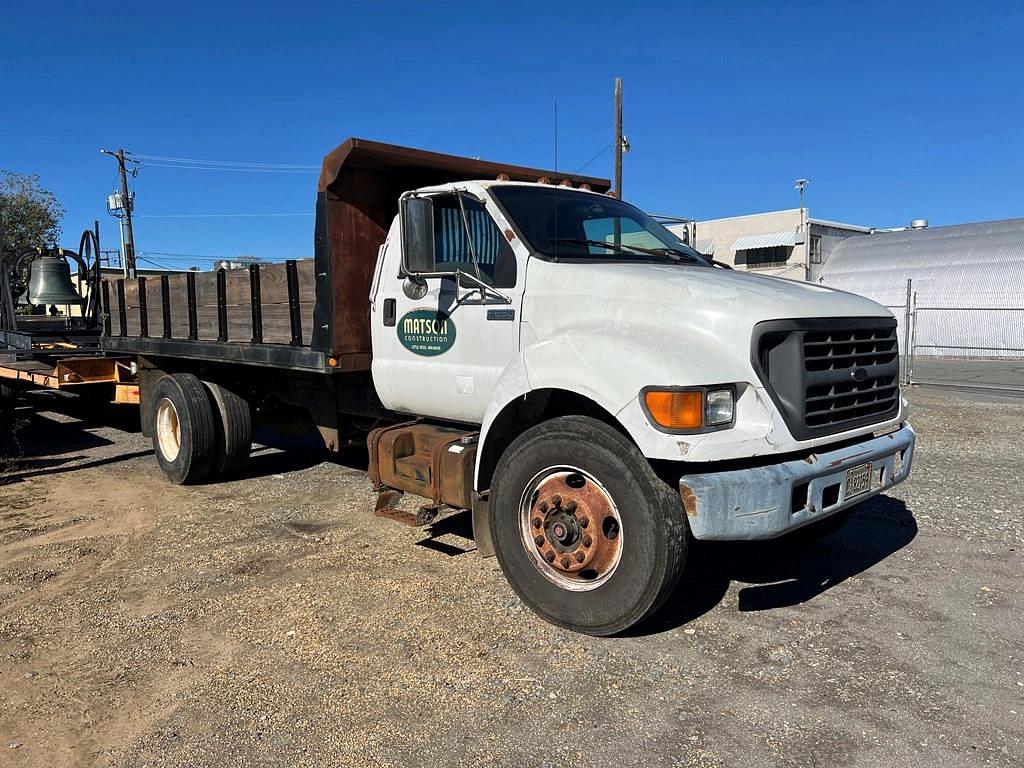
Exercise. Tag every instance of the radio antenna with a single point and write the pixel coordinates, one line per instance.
(556, 135)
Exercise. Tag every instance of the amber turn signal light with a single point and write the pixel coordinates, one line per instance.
(675, 410)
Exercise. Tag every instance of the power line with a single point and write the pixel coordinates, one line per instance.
(232, 163)
(155, 263)
(170, 256)
(181, 256)
(606, 148)
(226, 168)
(213, 215)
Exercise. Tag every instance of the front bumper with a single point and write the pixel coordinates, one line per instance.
(768, 501)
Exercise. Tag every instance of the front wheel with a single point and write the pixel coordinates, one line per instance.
(586, 533)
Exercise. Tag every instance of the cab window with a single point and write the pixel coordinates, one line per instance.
(494, 255)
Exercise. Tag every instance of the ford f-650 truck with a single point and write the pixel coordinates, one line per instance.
(523, 345)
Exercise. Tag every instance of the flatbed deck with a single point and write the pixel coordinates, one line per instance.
(74, 372)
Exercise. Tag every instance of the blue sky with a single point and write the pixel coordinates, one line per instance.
(893, 110)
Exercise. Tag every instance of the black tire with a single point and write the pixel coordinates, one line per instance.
(8, 395)
(653, 528)
(184, 433)
(233, 441)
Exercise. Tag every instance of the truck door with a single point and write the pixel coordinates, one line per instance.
(434, 355)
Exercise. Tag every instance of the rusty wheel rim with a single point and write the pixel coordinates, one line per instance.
(571, 528)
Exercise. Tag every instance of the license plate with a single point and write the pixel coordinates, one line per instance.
(858, 480)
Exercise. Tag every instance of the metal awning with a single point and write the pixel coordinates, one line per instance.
(707, 247)
(767, 240)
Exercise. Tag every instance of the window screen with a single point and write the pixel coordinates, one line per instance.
(452, 250)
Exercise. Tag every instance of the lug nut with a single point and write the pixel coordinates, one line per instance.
(587, 541)
(539, 541)
(537, 522)
(579, 557)
(543, 506)
(565, 562)
(556, 500)
(571, 506)
(549, 556)
(584, 522)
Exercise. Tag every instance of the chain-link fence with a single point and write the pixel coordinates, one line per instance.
(970, 347)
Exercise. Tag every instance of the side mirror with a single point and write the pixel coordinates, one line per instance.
(417, 235)
(414, 287)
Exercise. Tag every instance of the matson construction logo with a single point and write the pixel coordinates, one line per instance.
(426, 332)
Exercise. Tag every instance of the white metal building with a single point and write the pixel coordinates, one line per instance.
(967, 282)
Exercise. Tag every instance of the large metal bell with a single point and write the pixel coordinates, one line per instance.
(49, 282)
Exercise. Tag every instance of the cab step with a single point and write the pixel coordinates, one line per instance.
(386, 506)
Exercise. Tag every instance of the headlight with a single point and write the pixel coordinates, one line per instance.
(697, 409)
(720, 407)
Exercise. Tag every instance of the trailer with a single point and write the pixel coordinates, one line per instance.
(57, 349)
(112, 377)
(522, 345)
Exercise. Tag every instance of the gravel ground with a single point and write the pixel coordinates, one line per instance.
(272, 621)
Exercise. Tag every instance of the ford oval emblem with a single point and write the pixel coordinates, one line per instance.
(859, 374)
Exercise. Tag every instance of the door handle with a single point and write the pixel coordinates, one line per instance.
(389, 312)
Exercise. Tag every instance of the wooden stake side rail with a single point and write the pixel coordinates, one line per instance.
(262, 315)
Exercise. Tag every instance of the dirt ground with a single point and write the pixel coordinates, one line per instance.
(272, 621)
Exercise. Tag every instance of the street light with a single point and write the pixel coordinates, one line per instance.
(801, 184)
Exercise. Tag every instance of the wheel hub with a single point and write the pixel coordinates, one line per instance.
(563, 531)
(571, 527)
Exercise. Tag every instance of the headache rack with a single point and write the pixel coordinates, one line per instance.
(829, 375)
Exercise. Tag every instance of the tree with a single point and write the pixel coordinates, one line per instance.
(31, 214)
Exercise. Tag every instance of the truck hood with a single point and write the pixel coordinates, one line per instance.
(700, 290)
(665, 324)
(607, 331)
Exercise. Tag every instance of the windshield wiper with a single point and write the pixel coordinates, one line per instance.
(672, 252)
(693, 258)
(674, 255)
(597, 243)
(634, 250)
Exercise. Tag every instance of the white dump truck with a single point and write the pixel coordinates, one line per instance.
(520, 344)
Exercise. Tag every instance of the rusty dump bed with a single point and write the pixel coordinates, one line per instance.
(309, 314)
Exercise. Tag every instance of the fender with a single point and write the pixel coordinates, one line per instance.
(514, 383)
(606, 366)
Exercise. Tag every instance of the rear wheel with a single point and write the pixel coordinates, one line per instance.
(183, 428)
(586, 533)
(234, 431)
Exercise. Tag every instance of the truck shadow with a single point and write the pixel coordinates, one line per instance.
(36, 440)
(275, 452)
(784, 572)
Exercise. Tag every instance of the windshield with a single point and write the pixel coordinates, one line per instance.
(564, 224)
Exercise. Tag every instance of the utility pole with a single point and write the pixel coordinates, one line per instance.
(618, 137)
(126, 203)
(800, 185)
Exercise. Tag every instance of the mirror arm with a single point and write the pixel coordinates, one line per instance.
(483, 287)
